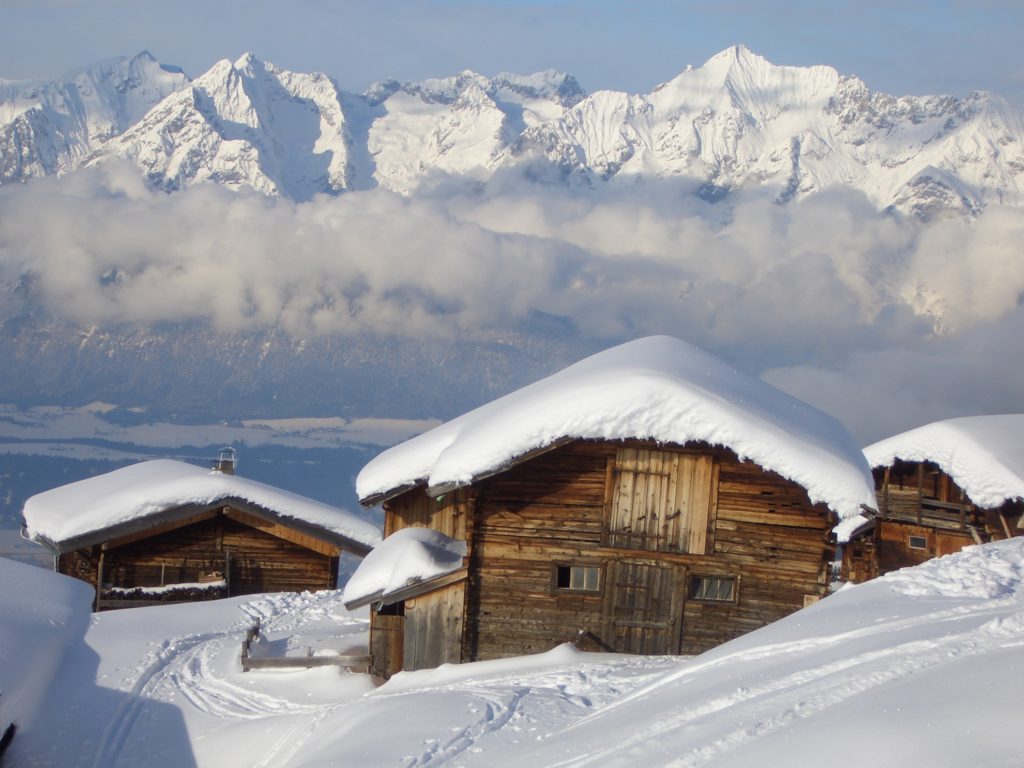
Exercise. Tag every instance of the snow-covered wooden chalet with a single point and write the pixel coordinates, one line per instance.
(648, 499)
(942, 487)
(163, 530)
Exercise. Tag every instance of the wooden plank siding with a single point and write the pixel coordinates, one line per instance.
(647, 516)
(434, 627)
(919, 500)
(251, 558)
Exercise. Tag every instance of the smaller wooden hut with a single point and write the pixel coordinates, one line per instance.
(941, 487)
(166, 531)
(649, 499)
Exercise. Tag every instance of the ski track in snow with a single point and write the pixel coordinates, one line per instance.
(157, 665)
(509, 711)
(184, 666)
(496, 715)
(815, 689)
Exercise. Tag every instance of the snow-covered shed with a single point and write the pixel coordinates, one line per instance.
(945, 485)
(163, 530)
(648, 499)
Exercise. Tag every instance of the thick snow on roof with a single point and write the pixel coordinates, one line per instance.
(405, 558)
(656, 388)
(150, 487)
(983, 454)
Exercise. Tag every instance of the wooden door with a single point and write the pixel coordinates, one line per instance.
(645, 607)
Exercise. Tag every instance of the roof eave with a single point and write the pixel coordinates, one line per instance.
(169, 514)
(410, 591)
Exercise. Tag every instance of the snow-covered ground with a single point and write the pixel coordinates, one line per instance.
(922, 667)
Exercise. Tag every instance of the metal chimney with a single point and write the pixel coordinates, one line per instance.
(225, 461)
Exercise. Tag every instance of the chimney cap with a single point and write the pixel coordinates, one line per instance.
(226, 461)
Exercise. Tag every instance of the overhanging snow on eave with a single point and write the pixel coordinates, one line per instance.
(410, 591)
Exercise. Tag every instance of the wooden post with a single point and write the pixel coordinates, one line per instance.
(227, 572)
(920, 490)
(99, 579)
(1006, 524)
(963, 521)
(885, 493)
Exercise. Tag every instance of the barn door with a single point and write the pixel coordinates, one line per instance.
(645, 607)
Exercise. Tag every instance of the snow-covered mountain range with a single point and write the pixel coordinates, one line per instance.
(737, 125)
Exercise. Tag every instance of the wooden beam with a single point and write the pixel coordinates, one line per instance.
(282, 531)
(920, 489)
(99, 580)
(1006, 524)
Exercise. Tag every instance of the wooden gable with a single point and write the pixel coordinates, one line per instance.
(660, 500)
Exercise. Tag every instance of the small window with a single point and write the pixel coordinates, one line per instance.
(395, 609)
(918, 542)
(578, 578)
(721, 589)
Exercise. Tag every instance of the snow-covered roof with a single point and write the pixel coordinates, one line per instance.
(657, 388)
(983, 454)
(409, 557)
(68, 516)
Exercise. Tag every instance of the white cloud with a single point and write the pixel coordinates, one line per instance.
(850, 308)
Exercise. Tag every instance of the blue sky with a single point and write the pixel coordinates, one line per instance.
(901, 47)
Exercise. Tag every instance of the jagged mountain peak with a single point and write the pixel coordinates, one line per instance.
(552, 84)
(737, 122)
(742, 79)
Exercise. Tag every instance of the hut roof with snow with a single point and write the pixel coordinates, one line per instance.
(984, 455)
(657, 388)
(153, 493)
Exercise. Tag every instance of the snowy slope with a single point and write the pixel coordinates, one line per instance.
(983, 454)
(48, 127)
(656, 388)
(42, 615)
(920, 667)
(738, 125)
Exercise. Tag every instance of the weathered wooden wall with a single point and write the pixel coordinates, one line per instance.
(649, 518)
(387, 636)
(919, 499)
(895, 552)
(433, 634)
(253, 559)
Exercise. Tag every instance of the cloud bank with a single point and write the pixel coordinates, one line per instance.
(879, 320)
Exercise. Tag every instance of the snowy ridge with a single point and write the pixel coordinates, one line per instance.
(245, 124)
(656, 388)
(150, 487)
(983, 454)
(49, 127)
(737, 125)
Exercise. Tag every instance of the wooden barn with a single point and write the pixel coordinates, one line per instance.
(166, 531)
(939, 488)
(649, 499)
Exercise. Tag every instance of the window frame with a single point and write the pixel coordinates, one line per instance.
(918, 537)
(719, 577)
(557, 568)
